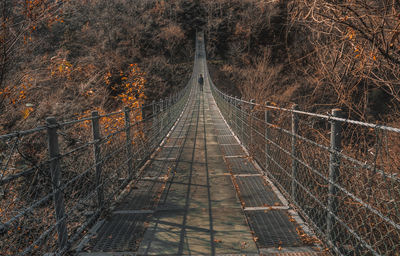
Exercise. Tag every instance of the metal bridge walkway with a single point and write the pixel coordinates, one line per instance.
(200, 194)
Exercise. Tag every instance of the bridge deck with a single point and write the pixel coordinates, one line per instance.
(200, 194)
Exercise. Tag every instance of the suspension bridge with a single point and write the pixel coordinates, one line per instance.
(202, 173)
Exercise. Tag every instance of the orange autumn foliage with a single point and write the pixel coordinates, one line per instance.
(131, 94)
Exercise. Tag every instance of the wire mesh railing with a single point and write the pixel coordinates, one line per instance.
(58, 179)
(342, 175)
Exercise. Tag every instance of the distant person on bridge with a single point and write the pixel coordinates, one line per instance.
(201, 82)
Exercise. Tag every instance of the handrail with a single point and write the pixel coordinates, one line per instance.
(326, 117)
(348, 190)
(81, 165)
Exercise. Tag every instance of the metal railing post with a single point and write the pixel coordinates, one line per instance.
(154, 122)
(161, 119)
(97, 158)
(236, 115)
(230, 110)
(334, 172)
(169, 111)
(127, 112)
(295, 128)
(55, 170)
(252, 101)
(142, 112)
(143, 146)
(242, 121)
(165, 109)
(266, 117)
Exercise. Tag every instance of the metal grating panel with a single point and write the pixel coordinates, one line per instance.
(255, 193)
(178, 134)
(174, 142)
(232, 150)
(220, 126)
(143, 198)
(158, 168)
(240, 165)
(218, 122)
(295, 254)
(236, 254)
(225, 131)
(122, 232)
(273, 229)
(227, 139)
(180, 130)
(181, 125)
(169, 152)
(107, 254)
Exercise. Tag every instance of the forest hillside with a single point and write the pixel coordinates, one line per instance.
(67, 57)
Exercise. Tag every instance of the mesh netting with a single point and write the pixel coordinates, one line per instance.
(345, 184)
(47, 202)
